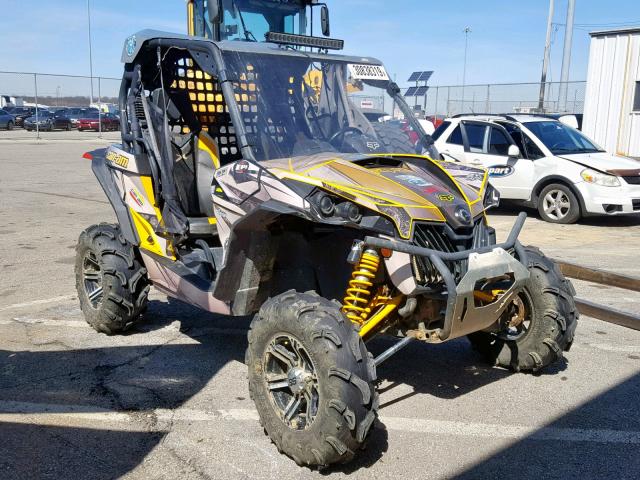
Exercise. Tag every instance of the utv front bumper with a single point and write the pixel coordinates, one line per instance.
(464, 314)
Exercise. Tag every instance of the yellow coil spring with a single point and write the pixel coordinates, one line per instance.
(356, 302)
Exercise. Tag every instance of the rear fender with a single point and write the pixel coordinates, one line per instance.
(106, 179)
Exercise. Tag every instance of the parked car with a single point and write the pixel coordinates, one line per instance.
(7, 120)
(20, 113)
(48, 121)
(543, 163)
(95, 121)
(76, 113)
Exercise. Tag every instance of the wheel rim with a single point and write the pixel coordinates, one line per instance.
(556, 204)
(291, 381)
(92, 279)
(517, 318)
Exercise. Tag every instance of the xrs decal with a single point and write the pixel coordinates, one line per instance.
(498, 171)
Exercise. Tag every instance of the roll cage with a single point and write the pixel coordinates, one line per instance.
(201, 91)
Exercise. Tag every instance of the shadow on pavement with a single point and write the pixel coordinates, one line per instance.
(122, 379)
(584, 455)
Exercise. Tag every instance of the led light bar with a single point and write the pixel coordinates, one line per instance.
(304, 41)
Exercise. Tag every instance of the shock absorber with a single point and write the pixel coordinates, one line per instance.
(358, 297)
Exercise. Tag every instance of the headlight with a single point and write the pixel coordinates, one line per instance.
(599, 178)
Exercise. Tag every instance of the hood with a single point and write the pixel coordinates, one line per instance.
(603, 161)
(403, 188)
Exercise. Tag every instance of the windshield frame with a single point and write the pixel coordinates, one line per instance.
(569, 131)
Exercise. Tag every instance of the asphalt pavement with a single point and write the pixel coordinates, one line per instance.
(169, 399)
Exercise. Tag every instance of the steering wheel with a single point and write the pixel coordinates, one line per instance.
(340, 134)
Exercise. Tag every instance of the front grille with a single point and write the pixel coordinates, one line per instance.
(443, 238)
(635, 203)
(632, 180)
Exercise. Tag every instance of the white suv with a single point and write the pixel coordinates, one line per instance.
(543, 163)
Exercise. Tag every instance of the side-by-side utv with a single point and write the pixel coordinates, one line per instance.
(248, 182)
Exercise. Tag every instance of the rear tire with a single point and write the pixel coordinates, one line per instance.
(111, 282)
(346, 401)
(393, 139)
(552, 321)
(10, 125)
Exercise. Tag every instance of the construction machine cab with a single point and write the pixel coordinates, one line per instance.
(250, 20)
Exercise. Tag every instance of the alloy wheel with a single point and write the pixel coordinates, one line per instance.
(92, 279)
(556, 204)
(292, 381)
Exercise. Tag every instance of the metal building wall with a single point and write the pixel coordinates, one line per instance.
(614, 67)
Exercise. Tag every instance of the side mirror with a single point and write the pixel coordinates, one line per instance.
(213, 11)
(513, 152)
(324, 21)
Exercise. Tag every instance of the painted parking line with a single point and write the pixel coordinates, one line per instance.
(90, 417)
(62, 298)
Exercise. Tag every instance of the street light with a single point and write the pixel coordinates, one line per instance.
(90, 50)
(466, 31)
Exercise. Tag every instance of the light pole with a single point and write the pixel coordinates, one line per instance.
(547, 54)
(566, 55)
(466, 31)
(90, 50)
(58, 96)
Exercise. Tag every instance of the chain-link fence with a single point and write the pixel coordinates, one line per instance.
(488, 98)
(41, 94)
(52, 92)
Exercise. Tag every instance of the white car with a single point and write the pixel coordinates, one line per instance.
(543, 163)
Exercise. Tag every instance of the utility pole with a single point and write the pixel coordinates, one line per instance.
(90, 50)
(466, 31)
(547, 55)
(566, 56)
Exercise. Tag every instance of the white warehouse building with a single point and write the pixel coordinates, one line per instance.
(612, 103)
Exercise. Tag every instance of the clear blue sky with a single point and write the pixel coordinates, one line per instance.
(506, 43)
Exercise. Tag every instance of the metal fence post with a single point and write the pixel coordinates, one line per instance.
(448, 101)
(99, 110)
(488, 105)
(35, 83)
(435, 107)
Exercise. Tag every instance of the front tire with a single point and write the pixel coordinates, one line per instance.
(558, 204)
(10, 125)
(311, 378)
(546, 328)
(112, 284)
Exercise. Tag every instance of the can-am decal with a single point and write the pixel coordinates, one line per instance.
(131, 45)
(499, 171)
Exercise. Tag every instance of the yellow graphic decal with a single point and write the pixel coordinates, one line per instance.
(117, 159)
(148, 239)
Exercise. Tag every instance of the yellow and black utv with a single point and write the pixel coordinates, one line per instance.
(248, 182)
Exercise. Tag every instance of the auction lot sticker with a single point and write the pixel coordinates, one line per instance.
(367, 72)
